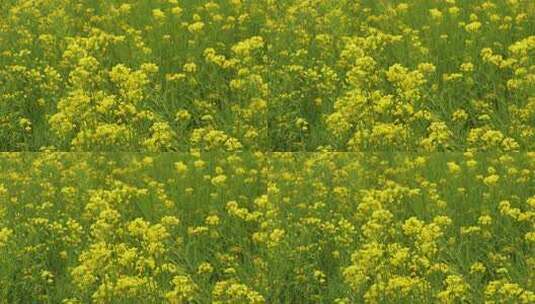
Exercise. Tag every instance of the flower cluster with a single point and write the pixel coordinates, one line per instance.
(267, 228)
(267, 151)
(402, 75)
(123, 76)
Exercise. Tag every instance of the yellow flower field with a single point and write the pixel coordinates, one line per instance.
(267, 228)
(132, 75)
(402, 75)
(267, 151)
(267, 75)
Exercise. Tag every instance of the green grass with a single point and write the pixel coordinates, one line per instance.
(294, 91)
(236, 151)
(293, 235)
(301, 58)
(41, 36)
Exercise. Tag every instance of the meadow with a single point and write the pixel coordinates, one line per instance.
(132, 75)
(267, 151)
(267, 75)
(267, 228)
(402, 76)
